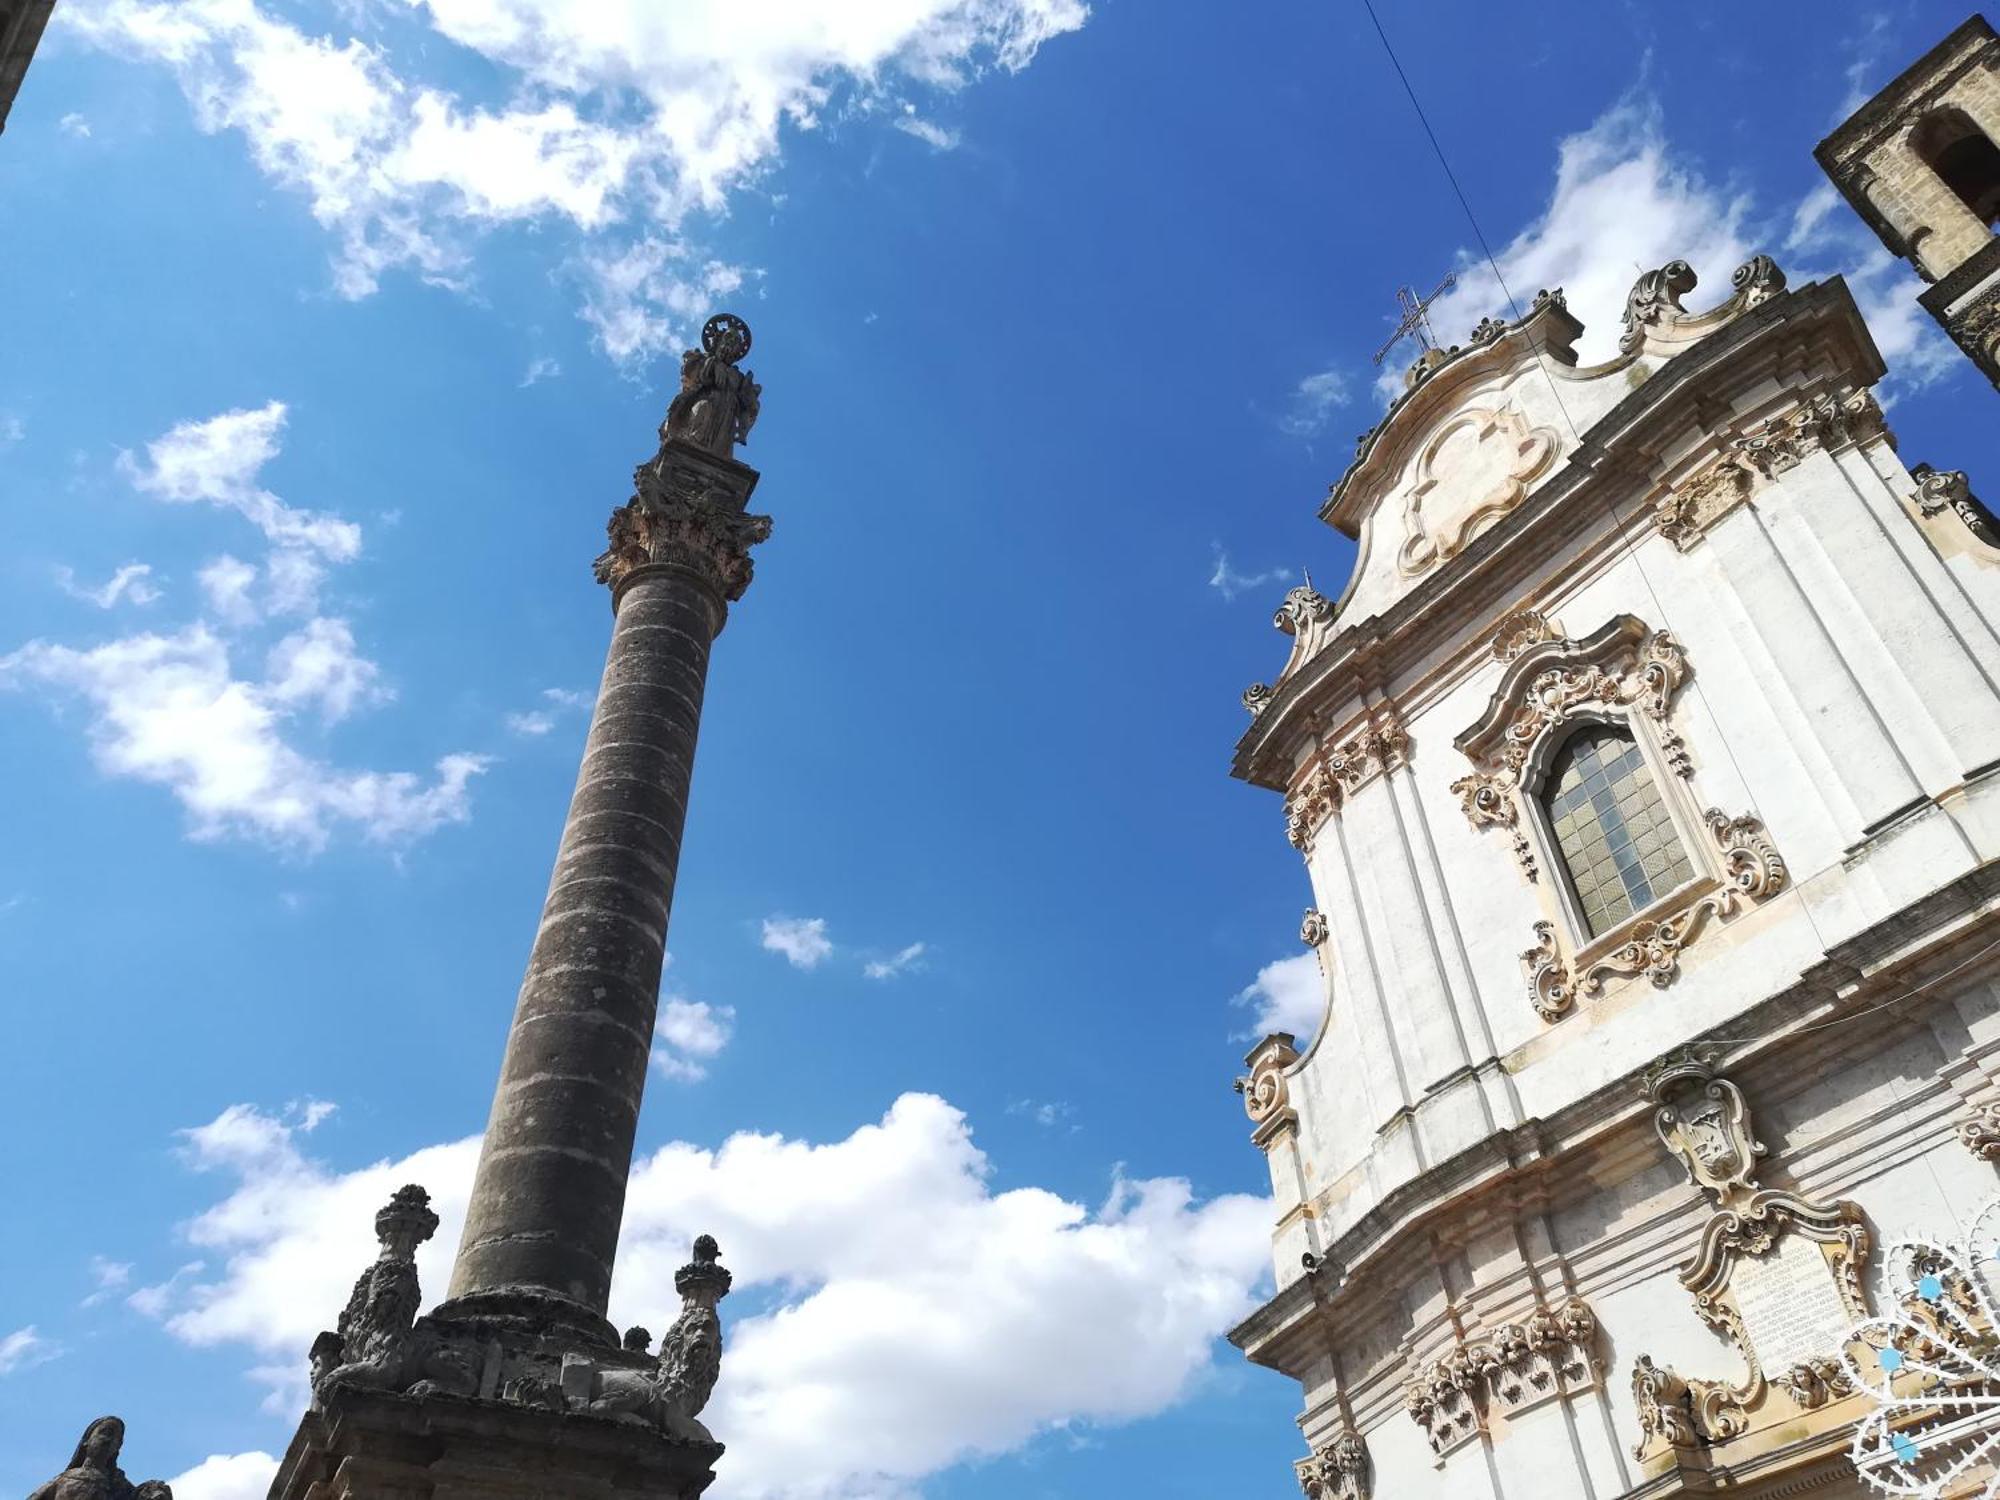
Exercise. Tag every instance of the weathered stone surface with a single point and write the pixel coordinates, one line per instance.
(549, 1197)
(93, 1472)
(372, 1445)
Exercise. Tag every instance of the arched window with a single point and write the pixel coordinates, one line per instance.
(1965, 158)
(1617, 841)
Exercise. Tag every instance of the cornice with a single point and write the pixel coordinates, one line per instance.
(1810, 340)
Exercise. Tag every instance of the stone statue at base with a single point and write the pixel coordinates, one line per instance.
(672, 1393)
(93, 1472)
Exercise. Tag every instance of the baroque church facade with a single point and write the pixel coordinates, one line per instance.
(1647, 778)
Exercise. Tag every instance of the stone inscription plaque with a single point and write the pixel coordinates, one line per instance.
(1790, 1304)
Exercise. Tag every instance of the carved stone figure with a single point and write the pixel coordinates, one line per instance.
(376, 1344)
(1654, 295)
(1666, 1415)
(717, 404)
(93, 1472)
(672, 1393)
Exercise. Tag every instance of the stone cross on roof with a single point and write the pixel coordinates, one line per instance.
(1416, 316)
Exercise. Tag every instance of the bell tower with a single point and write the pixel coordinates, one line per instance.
(1921, 163)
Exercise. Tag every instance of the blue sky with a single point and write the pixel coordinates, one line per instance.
(334, 331)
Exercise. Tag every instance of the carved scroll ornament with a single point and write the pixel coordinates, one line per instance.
(1266, 1090)
(1551, 1352)
(1705, 1121)
(1752, 870)
(1336, 772)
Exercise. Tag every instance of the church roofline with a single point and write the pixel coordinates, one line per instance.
(1547, 330)
(1380, 646)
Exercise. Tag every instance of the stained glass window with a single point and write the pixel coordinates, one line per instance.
(1618, 843)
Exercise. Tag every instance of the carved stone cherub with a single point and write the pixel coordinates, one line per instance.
(93, 1472)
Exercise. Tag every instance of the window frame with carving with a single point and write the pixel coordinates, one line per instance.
(1627, 676)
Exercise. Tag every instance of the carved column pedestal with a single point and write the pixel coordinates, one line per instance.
(371, 1445)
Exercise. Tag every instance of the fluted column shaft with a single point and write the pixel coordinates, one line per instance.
(542, 1227)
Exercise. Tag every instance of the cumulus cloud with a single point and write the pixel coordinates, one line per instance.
(802, 940)
(688, 1034)
(74, 124)
(617, 125)
(1226, 581)
(235, 1476)
(1625, 201)
(876, 1261)
(900, 962)
(1287, 995)
(171, 708)
(129, 582)
(25, 1348)
(219, 460)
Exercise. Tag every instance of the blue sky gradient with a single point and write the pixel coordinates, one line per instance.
(1060, 346)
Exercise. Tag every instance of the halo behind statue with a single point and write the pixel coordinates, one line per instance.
(726, 335)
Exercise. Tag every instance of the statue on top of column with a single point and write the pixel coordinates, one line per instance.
(717, 403)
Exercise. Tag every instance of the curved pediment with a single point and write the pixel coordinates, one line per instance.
(1478, 428)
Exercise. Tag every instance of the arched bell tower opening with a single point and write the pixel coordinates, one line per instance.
(1920, 162)
(1966, 160)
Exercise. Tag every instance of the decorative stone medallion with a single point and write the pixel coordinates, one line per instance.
(1475, 469)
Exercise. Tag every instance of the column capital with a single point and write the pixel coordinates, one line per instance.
(688, 510)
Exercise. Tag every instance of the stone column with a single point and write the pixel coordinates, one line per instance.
(542, 1227)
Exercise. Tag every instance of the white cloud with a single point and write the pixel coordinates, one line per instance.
(12, 429)
(129, 582)
(235, 1476)
(622, 122)
(218, 460)
(1046, 1113)
(1314, 401)
(542, 367)
(110, 1278)
(225, 584)
(688, 1034)
(170, 710)
(539, 721)
(802, 940)
(1626, 202)
(932, 134)
(74, 124)
(25, 1348)
(1230, 583)
(900, 962)
(1287, 995)
(876, 1260)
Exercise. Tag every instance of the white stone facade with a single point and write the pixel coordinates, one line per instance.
(1710, 542)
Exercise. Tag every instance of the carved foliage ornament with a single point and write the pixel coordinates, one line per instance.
(1980, 1131)
(1552, 1351)
(1337, 1470)
(1655, 314)
(683, 517)
(1829, 420)
(1337, 772)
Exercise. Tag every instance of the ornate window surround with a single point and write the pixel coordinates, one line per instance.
(1626, 675)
